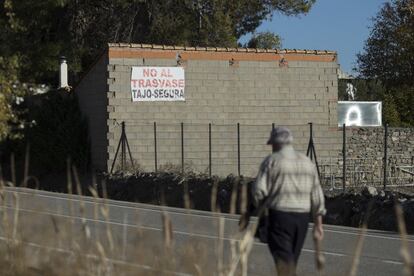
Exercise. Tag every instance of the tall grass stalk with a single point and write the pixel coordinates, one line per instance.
(156, 254)
(105, 213)
(245, 253)
(98, 246)
(360, 242)
(405, 251)
(124, 237)
(319, 257)
(85, 227)
(186, 196)
(13, 169)
(26, 166)
(220, 247)
(167, 230)
(213, 197)
(233, 203)
(15, 216)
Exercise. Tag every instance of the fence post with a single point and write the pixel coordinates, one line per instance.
(385, 154)
(182, 147)
(127, 145)
(310, 145)
(238, 148)
(311, 152)
(123, 143)
(273, 127)
(209, 149)
(155, 147)
(123, 153)
(343, 157)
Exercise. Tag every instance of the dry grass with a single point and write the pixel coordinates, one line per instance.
(37, 242)
(40, 243)
(361, 238)
(405, 252)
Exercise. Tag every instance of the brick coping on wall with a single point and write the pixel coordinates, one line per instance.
(127, 50)
(139, 50)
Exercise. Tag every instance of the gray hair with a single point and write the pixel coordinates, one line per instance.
(281, 136)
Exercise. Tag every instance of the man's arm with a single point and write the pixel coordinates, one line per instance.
(318, 228)
(259, 189)
(318, 207)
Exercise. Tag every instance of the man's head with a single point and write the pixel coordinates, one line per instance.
(280, 137)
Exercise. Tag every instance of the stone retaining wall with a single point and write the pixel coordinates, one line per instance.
(365, 155)
(369, 143)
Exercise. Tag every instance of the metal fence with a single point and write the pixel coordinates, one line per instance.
(238, 149)
(213, 149)
(380, 168)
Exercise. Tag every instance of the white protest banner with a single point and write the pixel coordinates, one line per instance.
(157, 84)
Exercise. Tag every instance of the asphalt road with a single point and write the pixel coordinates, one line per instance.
(42, 210)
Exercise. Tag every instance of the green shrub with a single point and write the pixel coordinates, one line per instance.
(58, 131)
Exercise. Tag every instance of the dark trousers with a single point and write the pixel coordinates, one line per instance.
(286, 235)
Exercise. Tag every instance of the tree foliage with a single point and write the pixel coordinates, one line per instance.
(389, 57)
(40, 30)
(36, 32)
(9, 90)
(265, 40)
(6, 84)
(59, 131)
(372, 90)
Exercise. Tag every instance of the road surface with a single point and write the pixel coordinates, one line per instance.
(380, 253)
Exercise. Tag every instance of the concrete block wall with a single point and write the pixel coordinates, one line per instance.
(254, 93)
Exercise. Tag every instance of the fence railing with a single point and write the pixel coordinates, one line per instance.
(239, 149)
(210, 148)
(380, 168)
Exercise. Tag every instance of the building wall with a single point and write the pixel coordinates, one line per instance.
(250, 92)
(93, 101)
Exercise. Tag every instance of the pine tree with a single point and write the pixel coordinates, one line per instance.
(389, 57)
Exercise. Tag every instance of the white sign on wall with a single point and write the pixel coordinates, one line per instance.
(362, 114)
(157, 84)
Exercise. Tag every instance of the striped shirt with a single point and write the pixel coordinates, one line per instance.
(291, 179)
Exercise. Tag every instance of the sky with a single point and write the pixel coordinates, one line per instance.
(338, 25)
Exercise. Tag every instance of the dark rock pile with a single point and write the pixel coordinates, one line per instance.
(352, 208)
(169, 189)
(347, 209)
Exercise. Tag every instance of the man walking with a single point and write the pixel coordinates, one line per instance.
(288, 184)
